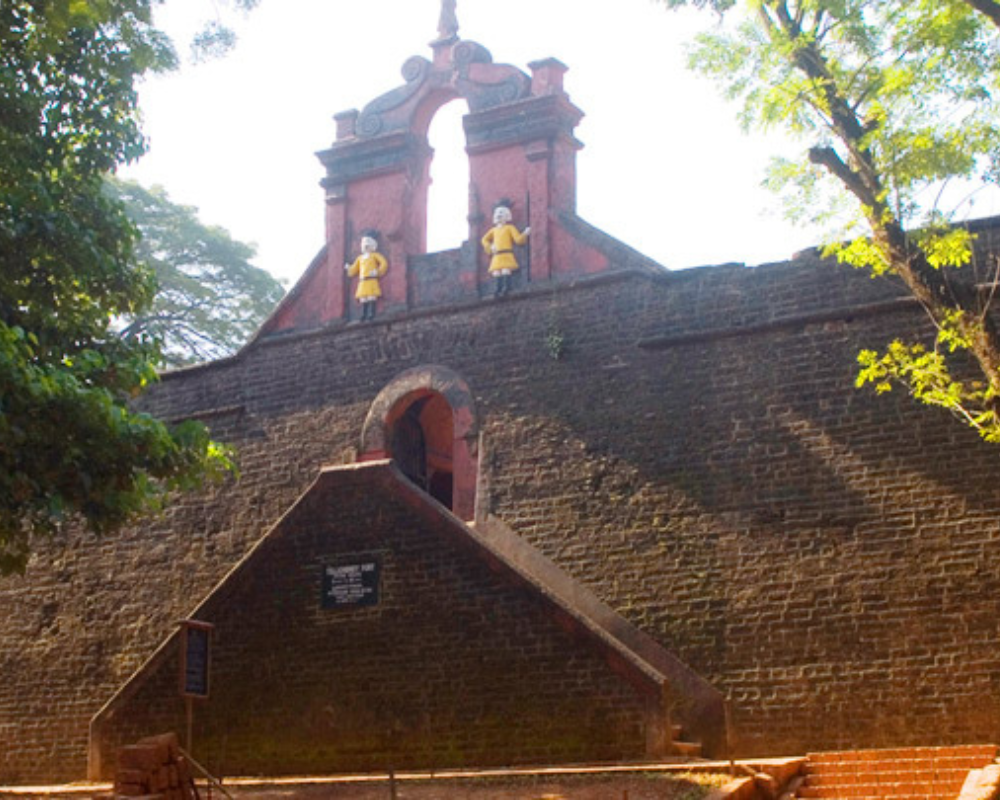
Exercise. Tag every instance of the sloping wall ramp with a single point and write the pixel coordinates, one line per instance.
(464, 648)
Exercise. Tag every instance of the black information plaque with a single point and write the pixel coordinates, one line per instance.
(351, 585)
(195, 658)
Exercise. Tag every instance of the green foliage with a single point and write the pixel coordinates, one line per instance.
(861, 253)
(71, 447)
(211, 299)
(944, 246)
(917, 77)
(213, 41)
(555, 343)
(718, 6)
(896, 102)
(927, 376)
(217, 38)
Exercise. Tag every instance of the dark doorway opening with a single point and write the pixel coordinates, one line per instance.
(421, 441)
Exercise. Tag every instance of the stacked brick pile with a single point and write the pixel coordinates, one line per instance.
(914, 773)
(154, 768)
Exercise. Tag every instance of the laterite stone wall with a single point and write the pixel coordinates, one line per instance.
(454, 665)
(692, 448)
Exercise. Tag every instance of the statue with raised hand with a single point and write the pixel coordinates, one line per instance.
(368, 268)
(499, 244)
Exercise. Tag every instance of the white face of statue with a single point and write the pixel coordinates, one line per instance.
(368, 244)
(501, 215)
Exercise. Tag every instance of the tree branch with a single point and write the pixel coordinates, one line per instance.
(988, 7)
(827, 157)
(861, 177)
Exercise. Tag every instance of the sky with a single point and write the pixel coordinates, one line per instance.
(665, 167)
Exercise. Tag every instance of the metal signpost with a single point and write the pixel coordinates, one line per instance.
(196, 657)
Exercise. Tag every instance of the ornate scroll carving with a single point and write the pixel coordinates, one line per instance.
(373, 117)
(471, 74)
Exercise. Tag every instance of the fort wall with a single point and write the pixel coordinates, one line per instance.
(689, 446)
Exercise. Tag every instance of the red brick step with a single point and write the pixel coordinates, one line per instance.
(911, 773)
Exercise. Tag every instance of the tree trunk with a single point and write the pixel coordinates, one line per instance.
(941, 297)
(988, 7)
(860, 176)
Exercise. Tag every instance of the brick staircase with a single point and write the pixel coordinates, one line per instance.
(913, 773)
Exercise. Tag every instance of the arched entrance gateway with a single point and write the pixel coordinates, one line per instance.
(425, 420)
(420, 442)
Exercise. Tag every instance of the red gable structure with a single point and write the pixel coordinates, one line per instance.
(519, 135)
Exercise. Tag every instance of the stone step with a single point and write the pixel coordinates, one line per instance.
(929, 773)
(882, 789)
(888, 765)
(869, 793)
(886, 772)
(690, 749)
(988, 752)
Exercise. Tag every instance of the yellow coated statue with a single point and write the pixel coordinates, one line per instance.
(368, 268)
(499, 244)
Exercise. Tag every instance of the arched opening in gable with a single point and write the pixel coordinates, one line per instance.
(425, 420)
(448, 192)
(420, 440)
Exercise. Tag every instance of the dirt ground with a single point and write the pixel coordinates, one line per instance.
(641, 787)
(618, 785)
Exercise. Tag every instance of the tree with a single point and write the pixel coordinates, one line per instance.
(988, 7)
(897, 99)
(71, 445)
(211, 299)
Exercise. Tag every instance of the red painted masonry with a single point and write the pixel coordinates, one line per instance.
(520, 143)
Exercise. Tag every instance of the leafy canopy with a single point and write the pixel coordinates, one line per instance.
(210, 299)
(896, 100)
(70, 444)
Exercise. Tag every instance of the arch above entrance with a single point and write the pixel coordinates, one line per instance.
(415, 386)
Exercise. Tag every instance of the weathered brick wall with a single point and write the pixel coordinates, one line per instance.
(86, 616)
(454, 665)
(827, 557)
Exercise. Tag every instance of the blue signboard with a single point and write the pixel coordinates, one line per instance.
(196, 656)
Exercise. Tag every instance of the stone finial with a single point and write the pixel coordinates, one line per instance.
(448, 21)
(547, 76)
(347, 124)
